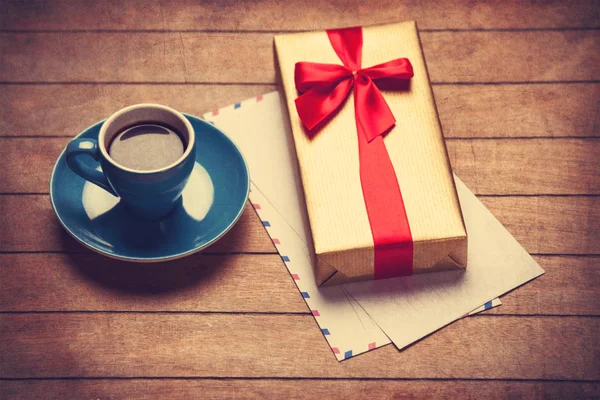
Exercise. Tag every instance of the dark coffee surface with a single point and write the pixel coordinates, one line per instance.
(146, 147)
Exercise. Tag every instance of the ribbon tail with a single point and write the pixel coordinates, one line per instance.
(373, 115)
(316, 105)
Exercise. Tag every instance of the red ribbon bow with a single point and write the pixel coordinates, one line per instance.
(324, 87)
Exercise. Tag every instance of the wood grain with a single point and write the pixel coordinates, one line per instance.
(204, 326)
(218, 345)
(466, 111)
(569, 287)
(498, 166)
(292, 15)
(549, 225)
(528, 166)
(238, 283)
(28, 223)
(75, 107)
(90, 282)
(518, 110)
(140, 389)
(497, 56)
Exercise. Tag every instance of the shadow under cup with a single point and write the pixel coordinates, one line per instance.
(148, 194)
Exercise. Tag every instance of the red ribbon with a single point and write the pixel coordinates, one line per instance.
(323, 88)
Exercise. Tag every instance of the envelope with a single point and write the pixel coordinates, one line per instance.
(359, 317)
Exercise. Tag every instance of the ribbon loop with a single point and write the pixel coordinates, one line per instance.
(309, 75)
(316, 105)
(399, 69)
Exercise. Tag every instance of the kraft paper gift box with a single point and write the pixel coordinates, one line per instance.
(362, 228)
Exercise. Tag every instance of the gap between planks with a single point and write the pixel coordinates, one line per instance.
(296, 387)
(307, 15)
(273, 313)
(447, 139)
(227, 83)
(286, 378)
(279, 31)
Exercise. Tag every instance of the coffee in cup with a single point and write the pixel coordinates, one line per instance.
(147, 146)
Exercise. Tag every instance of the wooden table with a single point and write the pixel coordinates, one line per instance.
(518, 87)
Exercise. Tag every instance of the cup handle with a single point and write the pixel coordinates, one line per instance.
(88, 147)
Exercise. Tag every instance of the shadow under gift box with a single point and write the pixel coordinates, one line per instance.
(329, 162)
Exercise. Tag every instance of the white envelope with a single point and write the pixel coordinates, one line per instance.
(359, 317)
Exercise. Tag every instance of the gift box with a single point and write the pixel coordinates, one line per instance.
(377, 180)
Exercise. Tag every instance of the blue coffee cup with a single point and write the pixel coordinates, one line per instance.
(148, 194)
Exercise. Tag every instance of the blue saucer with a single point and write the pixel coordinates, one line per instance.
(212, 202)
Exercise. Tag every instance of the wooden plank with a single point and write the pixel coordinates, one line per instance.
(527, 166)
(498, 166)
(295, 15)
(28, 223)
(569, 287)
(30, 162)
(466, 111)
(550, 225)
(498, 56)
(294, 389)
(75, 107)
(219, 345)
(90, 282)
(202, 283)
(518, 110)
